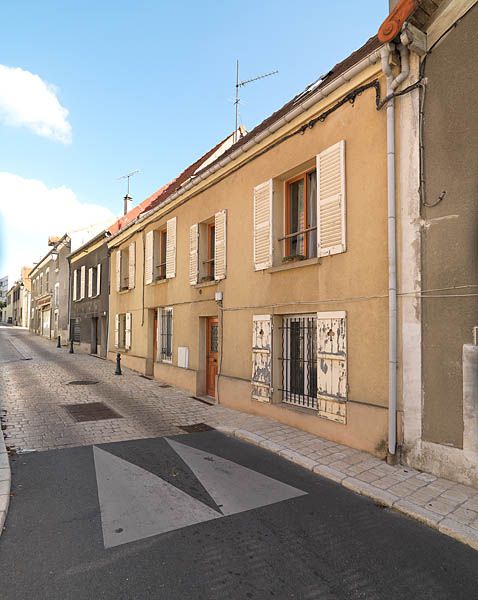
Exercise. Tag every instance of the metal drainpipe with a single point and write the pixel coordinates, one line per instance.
(392, 84)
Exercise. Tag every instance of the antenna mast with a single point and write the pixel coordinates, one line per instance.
(242, 84)
(127, 198)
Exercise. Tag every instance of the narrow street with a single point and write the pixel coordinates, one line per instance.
(115, 495)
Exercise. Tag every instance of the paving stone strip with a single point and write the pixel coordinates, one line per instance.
(34, 394)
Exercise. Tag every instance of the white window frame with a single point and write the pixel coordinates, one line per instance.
(165, 309)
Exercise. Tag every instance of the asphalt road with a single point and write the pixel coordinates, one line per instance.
(204, 516)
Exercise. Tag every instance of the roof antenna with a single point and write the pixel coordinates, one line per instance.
(239, 84)
(127, 198)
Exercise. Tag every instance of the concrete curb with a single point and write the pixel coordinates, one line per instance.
(443, 524)
(5, 482)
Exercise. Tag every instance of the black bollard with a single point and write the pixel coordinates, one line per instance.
(71, 347)
(58, 343)
(118, 364)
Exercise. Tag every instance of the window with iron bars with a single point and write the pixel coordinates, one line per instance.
(299, 360)
(165, 331)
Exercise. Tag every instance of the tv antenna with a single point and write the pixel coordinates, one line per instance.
(127, 198)
(240, 84)
(127, 176)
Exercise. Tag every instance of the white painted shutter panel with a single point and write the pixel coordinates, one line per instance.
(193, 254)
(132, 265)
(171, 248)
(127, 336)
(117, 326)
(263, 226)
(332, 365)
(220, 224)
(118, 270)
(82, 282)
(75, 284)
(148, 258)
(331, 205)
(98, 279)
(262, 357)
(90, 282)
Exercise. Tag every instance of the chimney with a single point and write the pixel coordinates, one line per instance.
(126, 200)
(53, 239)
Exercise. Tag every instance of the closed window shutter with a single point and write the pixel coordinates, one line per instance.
(262, 357)
(171, 248)
(117, 328)
(263, 226)
(98, 280)
(132, 265)
(220, 222)
(82, 282)
(75, 284)
(90, 282)
(127, 336)
(193, 254)
(118, 270)
(331, 204)
(332, 365)
(148, 258)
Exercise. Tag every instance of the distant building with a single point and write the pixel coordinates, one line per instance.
(3, 298)
(21, 299)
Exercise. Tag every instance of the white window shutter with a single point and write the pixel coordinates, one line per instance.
(148, 258)
(75, 284)
(82, 282)
(331, 202)
(171, 248)
(263, 226)
(118, 270)
(132, 265)
(220, 226)
(332, 365)
(117, 328)
(127, 336)
(193, 254)
(262, 357)
(98, 279)
(90, 282)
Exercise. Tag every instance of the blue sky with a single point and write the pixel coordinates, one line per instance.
(149, 85)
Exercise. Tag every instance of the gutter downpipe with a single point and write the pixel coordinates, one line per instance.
(392, 85)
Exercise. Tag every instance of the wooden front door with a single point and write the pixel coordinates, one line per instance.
(212, 355)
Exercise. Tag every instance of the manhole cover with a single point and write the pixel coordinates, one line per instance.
(91, 411)
(82, 382)
(196, 428)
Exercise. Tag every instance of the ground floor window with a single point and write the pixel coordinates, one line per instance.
(123, 330)
(75, 330)
(299, 360)
(165, 334)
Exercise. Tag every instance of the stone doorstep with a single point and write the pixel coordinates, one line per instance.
(445, 524)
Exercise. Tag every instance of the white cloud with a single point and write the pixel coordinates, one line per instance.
(30, 212)
(26, 100)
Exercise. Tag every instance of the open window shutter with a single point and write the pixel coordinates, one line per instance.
(117, 327)
(132, 265)
(263, 226)
(98, 279)
(332, 365)
(171, 248)
(148, 258)
(220, 245)
(127, 343)
(118, 270)
(331, 206)
(75, 284)
(193, 254)
(82, 282)
(90, 282)
(262, 357)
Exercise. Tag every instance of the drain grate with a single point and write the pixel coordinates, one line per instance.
(82, 382)
(164, 385)
(91, 411)
(196, 428)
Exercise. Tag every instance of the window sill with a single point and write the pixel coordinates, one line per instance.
(206, 284)
(160, 281)
(125, 291)
(294, 265)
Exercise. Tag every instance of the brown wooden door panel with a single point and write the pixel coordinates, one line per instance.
(212, 355)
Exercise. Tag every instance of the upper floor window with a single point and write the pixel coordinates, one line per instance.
(301, 216)
(160, 253)
(126, 267)
(47, 281)
(207, 249)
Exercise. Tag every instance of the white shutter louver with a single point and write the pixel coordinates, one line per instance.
(90, 282)
(75, 285)
(220, 224)
(331, 202)
(98, 279)
(262, 358)
(171, 248)
(82, 282)
(118, 270)
(193, 254)
(332, 365)
(117, 327)
(132, 265)
(263, 226)
(127, 336)
(148, 258)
